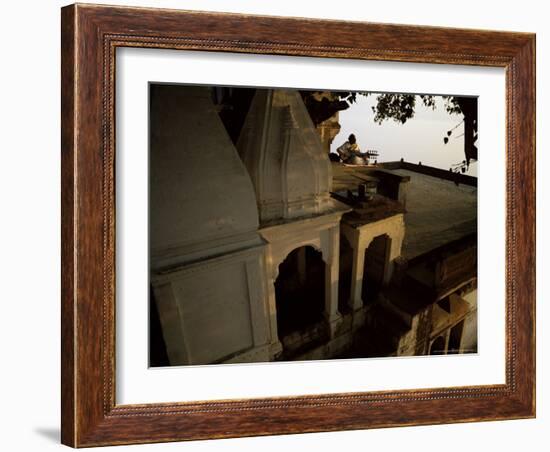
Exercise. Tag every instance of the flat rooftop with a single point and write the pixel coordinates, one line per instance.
(438, 210)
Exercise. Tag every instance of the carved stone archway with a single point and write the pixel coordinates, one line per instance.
(300, 290)
(376, 271)
(360, 237)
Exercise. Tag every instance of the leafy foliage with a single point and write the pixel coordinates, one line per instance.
(402, 107)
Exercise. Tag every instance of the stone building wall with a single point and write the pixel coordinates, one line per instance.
(207, 258)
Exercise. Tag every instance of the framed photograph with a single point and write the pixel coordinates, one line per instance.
(281, 225)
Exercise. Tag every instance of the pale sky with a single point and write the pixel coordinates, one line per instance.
(419, 139)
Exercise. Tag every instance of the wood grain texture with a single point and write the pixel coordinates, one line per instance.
(90, 36)
(68, 297)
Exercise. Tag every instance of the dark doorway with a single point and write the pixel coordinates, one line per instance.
(344, 277)
(300, 290)
(438, 346)
(376, 256)
(157, 348)
(455, 338)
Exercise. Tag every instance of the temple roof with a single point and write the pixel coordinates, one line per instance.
(282, 151)
(192, 164)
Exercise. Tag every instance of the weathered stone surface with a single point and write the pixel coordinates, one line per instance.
(221, 230)
(207, 258)
(192, 162)
(438, 212)
(283, 153)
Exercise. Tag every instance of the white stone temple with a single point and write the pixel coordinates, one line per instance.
(292, 178)
(207, 258)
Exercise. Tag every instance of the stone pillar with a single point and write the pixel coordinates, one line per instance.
(354, 239)
(396, 243)
(332, 267)
(328, 130)
(276, 346)
(357, 272)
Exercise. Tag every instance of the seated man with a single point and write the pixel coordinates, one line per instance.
(350, 153)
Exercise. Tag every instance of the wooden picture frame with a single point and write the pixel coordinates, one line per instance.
(90, 36)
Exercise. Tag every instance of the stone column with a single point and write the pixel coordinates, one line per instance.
(332, 266)
(355, 240)
(396, 243)
(272, 273)
(359, 245)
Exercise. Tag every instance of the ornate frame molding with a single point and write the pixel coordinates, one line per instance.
(90, 36)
